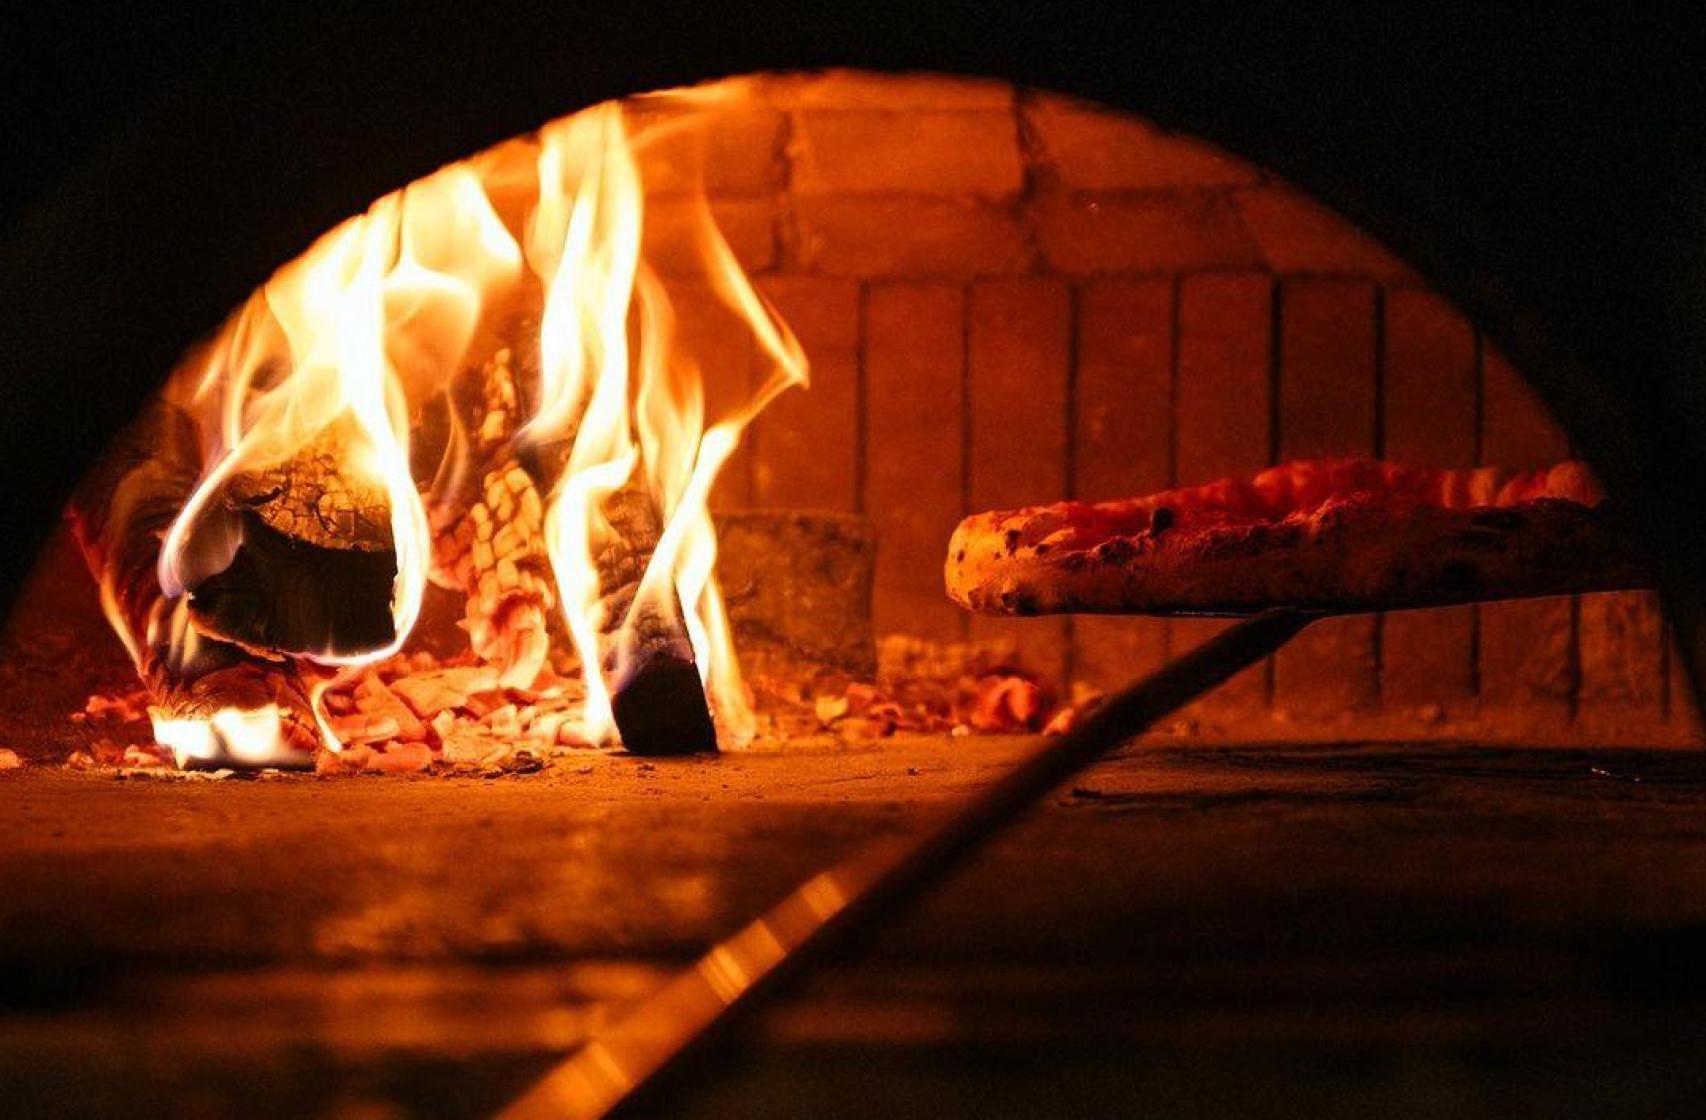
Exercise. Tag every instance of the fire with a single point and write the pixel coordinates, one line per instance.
(247, 737)
(384, 312)
(584, 241)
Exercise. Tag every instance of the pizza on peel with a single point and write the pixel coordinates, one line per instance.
(1327, 534)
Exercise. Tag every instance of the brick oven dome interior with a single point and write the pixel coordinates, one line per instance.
(1010, 296)
(1413, 863)
(1422, 128)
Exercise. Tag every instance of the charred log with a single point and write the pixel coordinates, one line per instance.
(120, 515)
(316, 564)
(647, 660)
(660, 708)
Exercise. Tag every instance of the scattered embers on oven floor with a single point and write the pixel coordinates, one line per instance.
(417, 713)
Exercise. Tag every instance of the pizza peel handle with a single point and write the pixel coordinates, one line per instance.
(828, 909)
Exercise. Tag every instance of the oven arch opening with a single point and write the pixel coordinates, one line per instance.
(1090, 305)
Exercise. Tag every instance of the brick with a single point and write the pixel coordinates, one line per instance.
(890, 236)
(1018, 350)
(1092, 234)
(1431, 383)
(1427, 662)
(1622, 665)
(1517, 429)
(913, 152)
(1327, 407)
(1327, 386)
(1121, 444)
(1527, 671)
(669, 237)
(1224, 417)
(1298, 234)
(718, 341)
(1225, 359)
(915, 437)
(1430, 401)
(1083, 146)
(865, 89)
(805, 445)
(731, 146)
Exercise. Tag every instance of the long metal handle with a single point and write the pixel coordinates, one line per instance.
(855, 894)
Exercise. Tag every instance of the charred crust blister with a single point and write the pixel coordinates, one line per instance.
(1118, 550)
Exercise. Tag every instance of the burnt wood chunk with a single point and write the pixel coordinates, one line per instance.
(798, 586)
(660, 709)
(120, 515)
(282, 595)
(315, 567)
(315, 497)
(656, 696)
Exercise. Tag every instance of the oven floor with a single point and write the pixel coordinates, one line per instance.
(1187, 932)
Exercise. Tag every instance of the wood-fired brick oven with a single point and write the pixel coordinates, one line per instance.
(1007, 295)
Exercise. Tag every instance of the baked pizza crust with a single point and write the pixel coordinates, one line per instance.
(1327, 534)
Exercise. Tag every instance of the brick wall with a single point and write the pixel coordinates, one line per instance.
(1010, 297)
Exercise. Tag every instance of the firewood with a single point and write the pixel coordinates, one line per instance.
(315, 568)
(120, 515)
(490, 543)
(656, 696)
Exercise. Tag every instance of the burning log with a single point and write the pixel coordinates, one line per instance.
(493, 550)
(656, 696)
(427, 306)
(314, 569)
(119, 515)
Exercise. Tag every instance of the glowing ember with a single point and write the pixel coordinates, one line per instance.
(249, 738)
(584, 239)
(413, 713)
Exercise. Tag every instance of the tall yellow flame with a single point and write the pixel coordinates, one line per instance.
(635, 408)
(382, 312)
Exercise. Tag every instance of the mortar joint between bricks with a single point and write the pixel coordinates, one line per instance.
(787, 228)
(1037, 177)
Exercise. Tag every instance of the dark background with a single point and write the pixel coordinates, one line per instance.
(1546, 171)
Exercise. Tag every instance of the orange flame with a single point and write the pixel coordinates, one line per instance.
(247, 737)
(585, 245)
(382, 312)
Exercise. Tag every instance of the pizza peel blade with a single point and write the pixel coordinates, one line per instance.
(830, 909)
